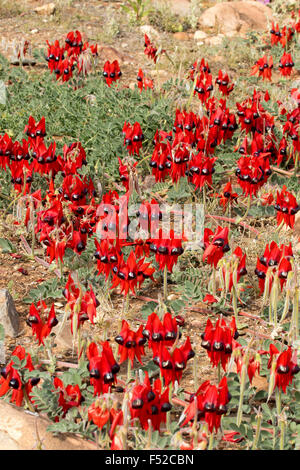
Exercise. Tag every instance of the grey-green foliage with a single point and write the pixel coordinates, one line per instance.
(96, 122)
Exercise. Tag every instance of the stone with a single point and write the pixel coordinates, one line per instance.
(199, 35)
(63, 336)
(235, 17)
(215, 40)
(111, 54)
(181, 36)
(20, 430)
(46, 10)
(149, 30)
(9, 317)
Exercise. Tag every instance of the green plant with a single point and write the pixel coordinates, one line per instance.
(140, 8)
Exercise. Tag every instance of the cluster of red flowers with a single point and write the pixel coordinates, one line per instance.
(264, 65)
(133, 137)
(111, 72)
(219, 341)
(12, 378)
(173, 155)
(208, 404)
(63, 60)
(102, 367)
(275, 261)
(286, 207)
(286, 34)
(143, 82)
(149, 403)
(283, 366)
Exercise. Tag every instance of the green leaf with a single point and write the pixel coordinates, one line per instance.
(7, 246)
(148, 308)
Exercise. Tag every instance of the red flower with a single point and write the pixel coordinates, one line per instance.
(82, 306)
(131, 273)
(111, 72)
(40, 329)
(102, 367)
(131, 344)
(210, 299)
(101, 413)
(151, 50)
(158, 332)
(227, 196)
(263, 67)
(73, 43)
(33, 129)
(143, 82)
(284, 366)
(286, 207)
(107, 257)
(133, 137)
(271, 262)
(69, 396)
(209, 404)
(252, 173)
(223, 82)
(173, 362)
(201, 169)
(12, 378)
(167, 249)
(286, 65)
(55, 55)
(219, 341)
(149, 403)
(215, 245)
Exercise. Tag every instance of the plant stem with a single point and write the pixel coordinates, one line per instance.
(165, 292)
(211, 441)
(242, 390)
(257, 434)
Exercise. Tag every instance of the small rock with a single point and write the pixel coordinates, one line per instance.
(215, 40)
(124, 45)
(181, 36)
(47, 9)
(34, 31)
(149, 30)
(171, 297)
(9, 317)
(199, 35)
(235, 17)
(64, 338)
(111, 54)
(23, 431)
